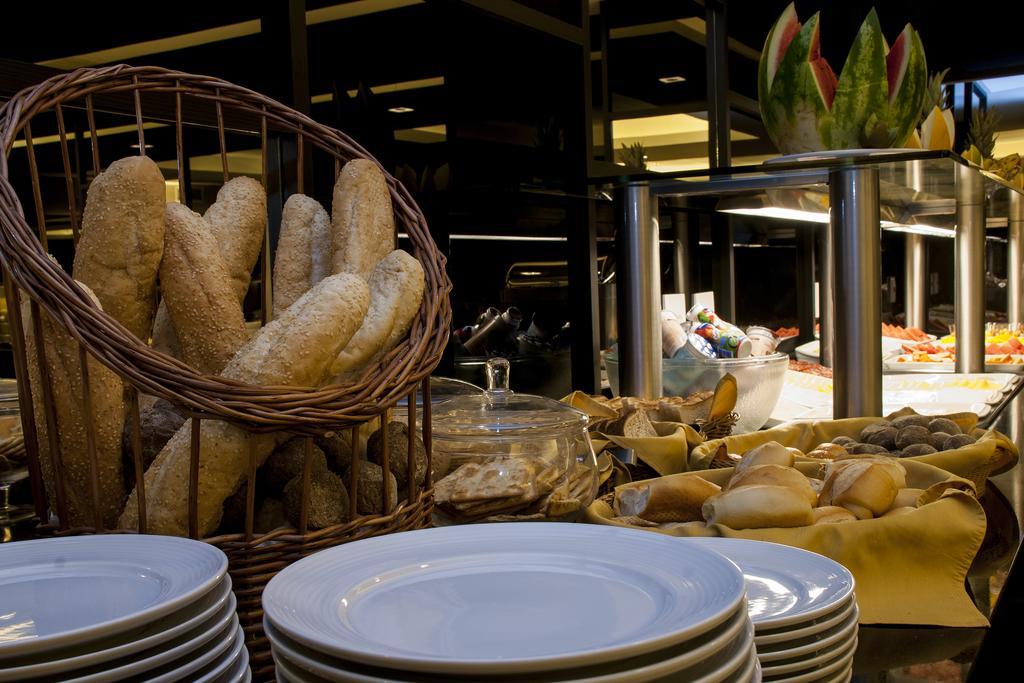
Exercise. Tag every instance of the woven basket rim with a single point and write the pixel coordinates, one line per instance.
(259, 408)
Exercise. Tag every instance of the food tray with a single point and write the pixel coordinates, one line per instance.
(891, 364)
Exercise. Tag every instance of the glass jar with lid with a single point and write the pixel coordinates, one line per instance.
(503, 456)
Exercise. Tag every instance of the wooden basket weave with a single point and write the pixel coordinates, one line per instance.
(184, 100)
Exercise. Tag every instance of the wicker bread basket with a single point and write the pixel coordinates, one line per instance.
(151, 95)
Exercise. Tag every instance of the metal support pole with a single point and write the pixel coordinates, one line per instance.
(805, 284)
(1015, 260)
(826, 299)
(639, 295)
(856, 243)
(915, 274)
(969, 270)
(915, 264)
(680, 255)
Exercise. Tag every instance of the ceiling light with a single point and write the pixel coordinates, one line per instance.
(136, 146)
(781, 212)
(400, 110)
(672, 79)
(919, 229)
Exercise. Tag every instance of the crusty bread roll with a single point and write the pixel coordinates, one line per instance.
(771, 453)
(67, 388)
(362, 220)
(295, 349)
(897, 511)
(906, 497)
(293, 261)
(122, 241)
(758, 507)
(774, 475)
(831, 514)
(673, 499)
(199, 293)
(863, 487)
(238, 221)
(396, 290)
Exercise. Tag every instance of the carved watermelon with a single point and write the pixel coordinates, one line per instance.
(875, 102)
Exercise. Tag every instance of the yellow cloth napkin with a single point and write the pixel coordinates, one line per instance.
(910, 569)
(666, 453)
(993, 453)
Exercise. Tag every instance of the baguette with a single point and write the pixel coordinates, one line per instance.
(238, 221)
(293, 261)
(122, 241)
(107, 403)
(320, 243)
(200, 300)
(295, 349)
(675, 499)
(758, 507)
(396, 289)
(362, 221)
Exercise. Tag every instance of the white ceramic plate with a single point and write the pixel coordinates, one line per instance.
(810, 663)
(798, 649)
(67, 591)
(214, 671)
(804, 629)
(725, 665)
(643, 668)
(785, 585)
(240, 667)
(508, 598)
(97, 652)
(840, 666)
(216, 629)
(187, 669)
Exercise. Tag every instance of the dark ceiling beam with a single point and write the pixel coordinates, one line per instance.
(16, 76)
(530, 18)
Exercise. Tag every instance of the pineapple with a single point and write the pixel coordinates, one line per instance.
(634, 155)
(982, 133)
(937, 127)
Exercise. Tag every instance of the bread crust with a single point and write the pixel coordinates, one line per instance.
(362, 220)
(108, 409)
(201, 301)
(295, 349)
(122, 241)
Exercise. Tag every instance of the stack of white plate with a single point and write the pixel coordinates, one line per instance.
(512, 602)
(118, 607)
(803, 608)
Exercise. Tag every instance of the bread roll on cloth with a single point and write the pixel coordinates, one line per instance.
(666, 499)
(362, 220)
(758, 507)
(122, 241)
(295, 349)
(770, 453)
(67, 388)
(774, 475)
(238, 222)
(200, 296)
(396, 291)
(865, 487)
(304, 224)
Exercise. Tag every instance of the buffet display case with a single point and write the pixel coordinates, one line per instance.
(855, 192)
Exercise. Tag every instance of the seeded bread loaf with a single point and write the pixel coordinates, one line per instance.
(197, 287)
(106, 395)
(122, 241)
(362, 220)
(295, 349)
